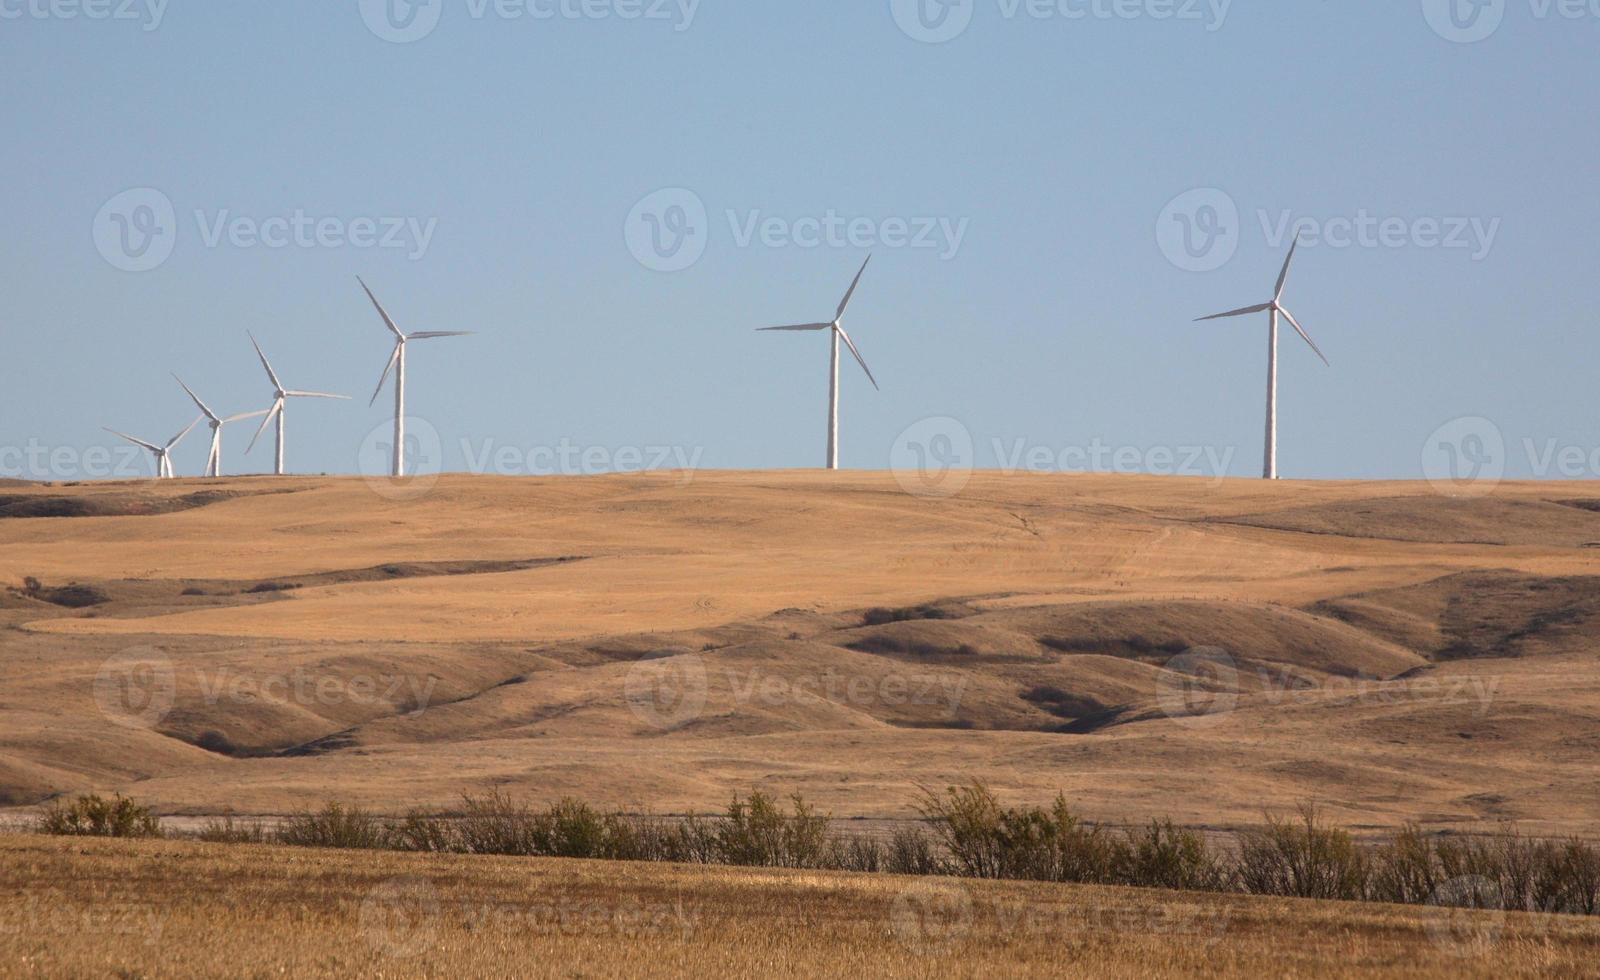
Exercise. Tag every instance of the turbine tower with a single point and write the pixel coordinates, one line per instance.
(838, 334)
(162, 454)
(214, 461)
(1273, 309)
(397, 364)
(280, 396)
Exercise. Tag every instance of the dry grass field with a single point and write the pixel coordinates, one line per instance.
(661, 642)
(136, 909)
(658, 643)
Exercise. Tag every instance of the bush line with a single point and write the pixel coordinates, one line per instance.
(965, 832)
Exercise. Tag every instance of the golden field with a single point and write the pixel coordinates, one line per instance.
(121, 908)
(660, 642)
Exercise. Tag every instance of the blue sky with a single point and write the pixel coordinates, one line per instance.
(1037, 154)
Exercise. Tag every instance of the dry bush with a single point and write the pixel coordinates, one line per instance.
(93, 816)
(913, 852)
(497, 824)
(757, 833)
(1303, 858)
(349, 828)
(226, 830)
(1164, 856)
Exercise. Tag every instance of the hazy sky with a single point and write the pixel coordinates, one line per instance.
(1049, 192)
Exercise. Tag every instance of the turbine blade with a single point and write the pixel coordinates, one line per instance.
(1303, 335)
(801, 326)
(272, 413)
(1244, 312)
(209, 413)
(136, 442)
(315, 394)
(435, 334)
(381, 311)
(1283, 277)
(244, 415)
(179, 437)
(276, 384)
(393, 357)
(859, 360)
(846, 301)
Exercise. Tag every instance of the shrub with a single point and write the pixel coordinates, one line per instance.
(913, 852)
(757, 833)
(571, 829)
(337, 826)
(1163, 856)
(966, 821)
(1302, 859)
(92, 816)
(31, 585)
(856, 852)
(427, 834)
(225, 830)
(496, 824)
(688, 840)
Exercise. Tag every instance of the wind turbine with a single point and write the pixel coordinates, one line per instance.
(214, 461)
(280, 396)
(1273, 309)
(838, 334)
(162, 454)
(397, 364)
